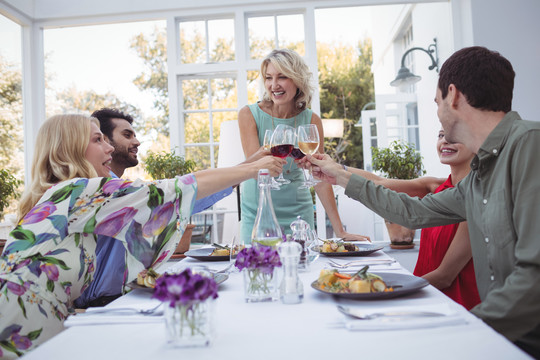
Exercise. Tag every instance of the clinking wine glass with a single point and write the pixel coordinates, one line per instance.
(282, 144)
(308, 142)
(297, 154)
(266, 146)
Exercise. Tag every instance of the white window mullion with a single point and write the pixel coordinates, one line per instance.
(210, 121)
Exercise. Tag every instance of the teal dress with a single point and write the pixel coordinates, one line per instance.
(289, 201)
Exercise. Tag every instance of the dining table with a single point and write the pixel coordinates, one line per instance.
(311, 329)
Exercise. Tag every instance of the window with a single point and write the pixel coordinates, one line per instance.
(277, 31)
(207, 102)
(207, 41)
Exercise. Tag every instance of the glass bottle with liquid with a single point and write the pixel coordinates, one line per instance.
(266, 229)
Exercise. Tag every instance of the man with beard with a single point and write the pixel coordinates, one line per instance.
(499, 199)
(110, 254)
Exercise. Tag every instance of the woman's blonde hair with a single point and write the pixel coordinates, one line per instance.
(290, 64)
(59, 155)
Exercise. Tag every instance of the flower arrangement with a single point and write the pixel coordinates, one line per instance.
(185, 288)
(258, 264)
(187, 315)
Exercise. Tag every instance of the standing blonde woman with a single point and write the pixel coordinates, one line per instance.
(49, 257)
(288, 93)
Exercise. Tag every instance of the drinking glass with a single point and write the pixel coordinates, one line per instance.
(308, 142)
(236, 246)
(266, 146)
(297, 154)
(282, 144)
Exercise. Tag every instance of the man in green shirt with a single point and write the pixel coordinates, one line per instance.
(500, 198)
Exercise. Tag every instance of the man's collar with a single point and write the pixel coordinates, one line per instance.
(495, 141)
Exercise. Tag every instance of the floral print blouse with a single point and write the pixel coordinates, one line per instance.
(49, 258)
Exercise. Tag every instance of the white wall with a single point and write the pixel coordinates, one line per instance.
(428, 21)
(513, 29)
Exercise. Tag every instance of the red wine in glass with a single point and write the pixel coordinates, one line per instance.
(297, 154)
(281, 151)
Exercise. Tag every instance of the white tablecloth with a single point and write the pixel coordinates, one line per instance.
(313, 329)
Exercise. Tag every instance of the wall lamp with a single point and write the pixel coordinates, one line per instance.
(405, 76)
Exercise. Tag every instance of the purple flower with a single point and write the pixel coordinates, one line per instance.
(187, 179)
(184, 288)
(114, 223)
(21, 342)
(51, 270)
(16, 288)
(264, 258)
(22, 264)
(39, 213)
(160, 217)
(115, 184)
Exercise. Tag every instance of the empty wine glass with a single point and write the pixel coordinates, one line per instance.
(266, 146)
(308, 142)
(282, 144)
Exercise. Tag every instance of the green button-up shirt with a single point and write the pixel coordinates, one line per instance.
(500, 200)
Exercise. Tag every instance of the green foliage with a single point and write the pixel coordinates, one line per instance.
(346, 84)
(167, 165)
(75, 101)
(153, 52)
(8, 189)
(11, 138)
(398, 161)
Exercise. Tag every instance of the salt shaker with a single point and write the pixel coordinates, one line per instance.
(291, 290)
(301, 234)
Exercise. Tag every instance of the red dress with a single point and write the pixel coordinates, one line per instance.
(434, 243)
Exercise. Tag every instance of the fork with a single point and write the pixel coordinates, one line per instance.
(106, 310)
(358, 315)
(360, 262)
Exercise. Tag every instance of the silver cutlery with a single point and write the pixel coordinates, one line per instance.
(362, 315)
(360, 263)
(105, 310)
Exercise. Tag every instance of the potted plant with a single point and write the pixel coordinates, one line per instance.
(400, 160)
(167, 166)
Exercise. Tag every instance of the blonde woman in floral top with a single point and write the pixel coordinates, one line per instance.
(49, 258)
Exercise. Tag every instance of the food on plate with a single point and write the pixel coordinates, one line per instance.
(360, 282)
(147, 278)
(221, 250)
(338, 246)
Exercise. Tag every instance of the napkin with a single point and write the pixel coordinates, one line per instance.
(449, 318)
(102, 319)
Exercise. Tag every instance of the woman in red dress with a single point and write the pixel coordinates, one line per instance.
(445, 258)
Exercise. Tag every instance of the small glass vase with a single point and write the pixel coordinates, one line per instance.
(190, 325)
(260, 286)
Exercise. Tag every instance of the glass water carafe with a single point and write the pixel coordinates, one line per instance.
(266, 230)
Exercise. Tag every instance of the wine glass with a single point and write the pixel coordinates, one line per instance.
(297, 154)
(282, 144)
(266, 146)
(308, 142)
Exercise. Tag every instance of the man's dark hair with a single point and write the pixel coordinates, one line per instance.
(485, 77)
(105, 116)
